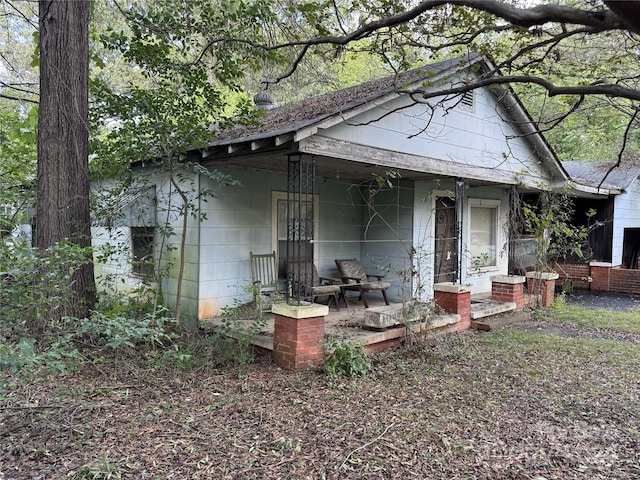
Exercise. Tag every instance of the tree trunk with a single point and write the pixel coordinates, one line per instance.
(63, 137)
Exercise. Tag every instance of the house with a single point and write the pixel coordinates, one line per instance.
(414, 187)
(615, 242)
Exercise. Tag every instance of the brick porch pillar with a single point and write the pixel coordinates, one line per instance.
(455, 298)
(508, 288)
(297, 333)
(543, 284)
(600, 276)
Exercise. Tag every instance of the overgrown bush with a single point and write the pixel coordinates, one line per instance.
(35, 283)
(343, 358)
(116, 331)
(59, 356)
(227, 345)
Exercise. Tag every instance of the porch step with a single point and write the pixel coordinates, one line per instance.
(491, 323)
(488, 307)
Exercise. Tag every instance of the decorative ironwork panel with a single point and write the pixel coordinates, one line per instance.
(459, 228)
(300, 222)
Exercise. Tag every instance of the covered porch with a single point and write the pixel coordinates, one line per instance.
(382, 326)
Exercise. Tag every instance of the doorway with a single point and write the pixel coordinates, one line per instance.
(446, 241)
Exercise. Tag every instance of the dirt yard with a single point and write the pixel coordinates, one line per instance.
(539, 400)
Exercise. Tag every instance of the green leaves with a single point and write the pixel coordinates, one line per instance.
(345, 358)
(186, 84)
(551, 224)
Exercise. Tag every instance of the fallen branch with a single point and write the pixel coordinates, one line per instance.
(366, 444)
(33, 407)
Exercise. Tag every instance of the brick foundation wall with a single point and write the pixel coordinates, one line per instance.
(624, 280)
(579, 274)
(605, 278)
(381, 346)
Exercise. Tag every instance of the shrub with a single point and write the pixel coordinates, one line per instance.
(34, 283)
(234, 338)
(345, 358)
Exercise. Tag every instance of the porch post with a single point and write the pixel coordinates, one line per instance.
(459, 223)
(455, 298)
(297, 333)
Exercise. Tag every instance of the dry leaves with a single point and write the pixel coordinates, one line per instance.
(518, 403)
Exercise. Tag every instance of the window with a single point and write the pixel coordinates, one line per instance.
(302, 250)
(142, 249)
(6, 210)
(483, 233)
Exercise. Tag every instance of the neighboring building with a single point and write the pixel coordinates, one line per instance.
(418, 190)
(617, 238)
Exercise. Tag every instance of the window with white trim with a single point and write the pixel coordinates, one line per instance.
(483, 233)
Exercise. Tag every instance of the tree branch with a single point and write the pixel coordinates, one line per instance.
(594, 21)
(18, 89)
(596, 88)
(599, 21)
(19, 99)
(622, 149)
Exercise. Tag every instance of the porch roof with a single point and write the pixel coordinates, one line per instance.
(285, 129)
(613, 177)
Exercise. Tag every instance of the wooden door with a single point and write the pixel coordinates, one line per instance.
(446, 245)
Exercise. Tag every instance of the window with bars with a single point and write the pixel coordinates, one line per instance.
(142, 243)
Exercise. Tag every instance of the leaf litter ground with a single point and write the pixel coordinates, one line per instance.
(538, 400)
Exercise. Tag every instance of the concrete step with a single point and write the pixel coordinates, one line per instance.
(488, 308)
(497, 321)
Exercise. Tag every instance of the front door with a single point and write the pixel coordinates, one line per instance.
(446, 245)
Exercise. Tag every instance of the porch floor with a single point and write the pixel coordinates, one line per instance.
(349, 323)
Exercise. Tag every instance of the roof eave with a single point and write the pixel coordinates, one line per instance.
(587, 190)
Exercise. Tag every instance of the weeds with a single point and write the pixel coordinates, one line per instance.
(241, 324)
(343, 358)
(105, 469)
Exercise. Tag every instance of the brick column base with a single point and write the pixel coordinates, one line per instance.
(543, 284)
(601, 276)
(508, 288)
(297, 333)
(456, 299)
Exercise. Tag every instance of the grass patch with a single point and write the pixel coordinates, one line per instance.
(625, 322)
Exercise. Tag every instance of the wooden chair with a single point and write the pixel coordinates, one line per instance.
(305, 280)
(354, 278)
(264, 274)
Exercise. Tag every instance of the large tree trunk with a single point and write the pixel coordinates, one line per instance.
(63, 137)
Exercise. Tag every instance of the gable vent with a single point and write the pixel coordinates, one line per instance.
(467, 100)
